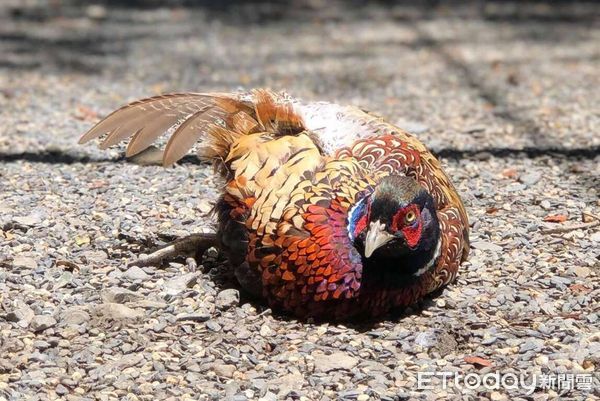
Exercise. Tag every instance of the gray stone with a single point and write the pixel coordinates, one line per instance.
(560, 281)
(426, 339)
(489, 341)
(29, 220)
(213, 326)
(530, 178)
(64, 280)
(116, 311)
(224, 370)
(41, 345)
(266, 331)
(179, 284)
(486, 246)
(24, 262)
(74, 316)
(227, 299)
(22, 314)
(269, 396)
(531, 345)
(136, 273)
(119, 295)
(61, 390)
(516, 187)
(582, 271)
(152, 156)
(194, 317)
(334, 361)
(41, 323)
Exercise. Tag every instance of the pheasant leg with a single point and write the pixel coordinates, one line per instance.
(191, 244)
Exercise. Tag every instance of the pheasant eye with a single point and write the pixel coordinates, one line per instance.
(410, 217)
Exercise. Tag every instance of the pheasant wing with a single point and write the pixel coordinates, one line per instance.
(195, 115)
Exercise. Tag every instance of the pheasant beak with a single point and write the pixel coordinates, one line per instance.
(377, 236)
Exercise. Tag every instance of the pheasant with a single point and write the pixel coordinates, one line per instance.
(327, 211)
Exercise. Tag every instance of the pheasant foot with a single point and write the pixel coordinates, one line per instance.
(191, 244)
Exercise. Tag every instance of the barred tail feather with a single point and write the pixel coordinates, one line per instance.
(221, 118)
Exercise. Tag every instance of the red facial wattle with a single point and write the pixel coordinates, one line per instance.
(411, 232)
(361, 224)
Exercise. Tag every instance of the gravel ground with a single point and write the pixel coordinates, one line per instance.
(505, 94)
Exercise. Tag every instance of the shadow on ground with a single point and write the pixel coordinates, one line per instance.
(83, 35)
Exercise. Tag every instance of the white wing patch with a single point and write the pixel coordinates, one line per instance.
(336, 126)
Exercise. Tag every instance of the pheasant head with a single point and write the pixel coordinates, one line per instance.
(397, 225)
